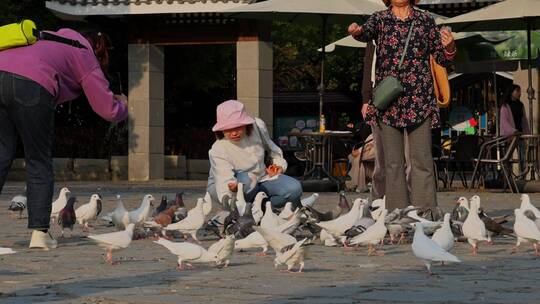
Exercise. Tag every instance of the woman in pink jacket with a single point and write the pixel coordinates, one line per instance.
(33, 80)
(513, 118)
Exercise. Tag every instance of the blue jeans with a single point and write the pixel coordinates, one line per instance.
(280, 191)
(27, 109)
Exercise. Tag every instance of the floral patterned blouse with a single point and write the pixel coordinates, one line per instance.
(418, 102)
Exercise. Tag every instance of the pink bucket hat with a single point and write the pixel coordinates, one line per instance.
(231, 114)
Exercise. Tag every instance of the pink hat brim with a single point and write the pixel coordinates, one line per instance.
(234, 124)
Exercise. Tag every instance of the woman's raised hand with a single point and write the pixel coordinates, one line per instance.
(448, 39)
(274, 170)
(233, 186)
(355, 29)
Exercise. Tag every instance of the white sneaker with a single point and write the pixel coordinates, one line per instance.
(42, 240)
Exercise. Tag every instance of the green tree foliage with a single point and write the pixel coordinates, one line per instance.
(297, 60)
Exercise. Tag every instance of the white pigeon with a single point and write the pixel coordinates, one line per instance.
(290, 225)
(141, 214)
(192, 223)
(427, 250)
(286, 212)
(88, 212)
(188, 252)
(223, 249)
(120, 216)
(17, 204)
(338, 226)
(207, 204)
(474, 228)
(377, 206)
(526, 231)
(253, 240)
(327, 239)
(240, 200)
(284, 247)
(256, 209)
(444, 236)
(310, 200)
(425, 223)
(5, 250)
(114, 241)
(526, 205)
(373, 235)
(59, 203)
(270, 220)
(291, 256)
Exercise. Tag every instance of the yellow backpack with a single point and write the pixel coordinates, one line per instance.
(25, 33)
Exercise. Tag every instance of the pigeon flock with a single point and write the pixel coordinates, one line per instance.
(241, 225)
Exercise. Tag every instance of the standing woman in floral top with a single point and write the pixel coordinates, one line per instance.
(415, 110)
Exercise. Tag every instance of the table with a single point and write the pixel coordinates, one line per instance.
(318, 147)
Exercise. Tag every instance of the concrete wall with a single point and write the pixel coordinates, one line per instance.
(115, 169)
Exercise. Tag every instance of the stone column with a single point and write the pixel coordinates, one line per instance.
(146, 107)
(254, 78)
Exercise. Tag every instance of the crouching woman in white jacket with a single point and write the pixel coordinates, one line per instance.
(238, 156)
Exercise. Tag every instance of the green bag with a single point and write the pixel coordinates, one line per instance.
(390, 88)
(25, 33)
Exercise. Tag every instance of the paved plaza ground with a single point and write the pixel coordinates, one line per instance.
(77, 273)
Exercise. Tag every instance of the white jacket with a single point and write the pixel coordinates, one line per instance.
(228, 158)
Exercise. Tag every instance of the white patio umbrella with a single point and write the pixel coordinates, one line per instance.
(319, 12)
(505, 15)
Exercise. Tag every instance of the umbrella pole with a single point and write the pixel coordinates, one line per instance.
(530, 90)
(321, 85)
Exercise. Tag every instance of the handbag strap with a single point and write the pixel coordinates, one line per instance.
(406, 44)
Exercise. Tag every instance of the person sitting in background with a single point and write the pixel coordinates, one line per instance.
(513, 118)
(238, 156)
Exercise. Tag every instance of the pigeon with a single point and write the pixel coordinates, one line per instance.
(114, 241)
(526, 205)
(461, 210)
(254, 240)
(223, 249)
(59, 203)
(373, 235)
(141, 214)
(181, 211)
(494, 226)
(288, 250)
(429, 251)
(240, 200)
(88, 212)
(286, 212)
(4, 251)
(377, 206)
(526, 231)
(162, 205)
(443, 236)
(188, 252)
(18, 204)
(310, 200)
(165, 218)
(270, 220)
(207, 204)
(413, 213)
(217, 223)
(243, 225)
(474, 228)
(67, 217)
(291, 255)
(192, 223)
(256, 210)
(120, 216)
(338, 226)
